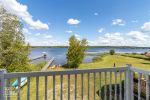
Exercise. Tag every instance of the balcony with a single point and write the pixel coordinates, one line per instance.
(118, 83)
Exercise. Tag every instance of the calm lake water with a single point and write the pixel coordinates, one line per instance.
(60, 53)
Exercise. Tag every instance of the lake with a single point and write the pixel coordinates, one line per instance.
(60, 53)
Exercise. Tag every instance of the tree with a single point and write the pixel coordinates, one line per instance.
(76, 52)
(13, 50)
(112, 52)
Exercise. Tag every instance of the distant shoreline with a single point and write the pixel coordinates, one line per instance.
(92, 47)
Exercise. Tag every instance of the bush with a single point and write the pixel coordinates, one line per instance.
(142, 54)
(112, 52)
(97, 58)
(145, 53)
(134, 53)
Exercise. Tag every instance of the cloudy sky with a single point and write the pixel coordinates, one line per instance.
(101, 22)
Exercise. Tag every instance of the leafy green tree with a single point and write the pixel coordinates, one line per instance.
(112, 52)
(76, 52)
(13, 50)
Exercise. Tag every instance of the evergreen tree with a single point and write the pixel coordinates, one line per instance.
(76, 52)
(13, 50)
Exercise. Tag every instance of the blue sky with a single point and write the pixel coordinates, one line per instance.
(101, 22)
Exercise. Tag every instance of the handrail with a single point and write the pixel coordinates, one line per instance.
(140, 70)
(65, 72)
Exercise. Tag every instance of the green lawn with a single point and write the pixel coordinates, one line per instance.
(37, 66)
(119, 60)
(106, 62)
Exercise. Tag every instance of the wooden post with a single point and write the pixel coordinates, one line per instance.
(128, 84)
(2, 85)
(45, 56)
(114, 64)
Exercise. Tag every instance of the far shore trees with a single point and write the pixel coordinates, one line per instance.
(13, 50)
(76, 52)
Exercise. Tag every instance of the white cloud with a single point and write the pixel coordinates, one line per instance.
(37, 34)
(48, 36)
(21, 11)
(146, 26)
(96, 14)
(110, 39)
(72, 21)
(101, 30)
(26, 31)
(137, 35)
(118, 22)
(50, 42)
(43, 36)
(69, 31)
(45, 40)
(132, 38)
(77, 36)
(134, 21)
(113, 37)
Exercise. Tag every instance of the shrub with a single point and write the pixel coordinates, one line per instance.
(145, 53)
(112, 52)
(134, 53)
(97, 58)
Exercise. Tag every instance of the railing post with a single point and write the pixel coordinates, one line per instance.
(128, 83)
(2, 84)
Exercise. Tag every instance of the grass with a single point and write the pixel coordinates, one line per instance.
(109, 60)
(37, 66)
(105, 62)
(139, 56)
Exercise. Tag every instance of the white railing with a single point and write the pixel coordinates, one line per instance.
(95, 84)
(140, 85)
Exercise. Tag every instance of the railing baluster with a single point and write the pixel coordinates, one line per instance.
(8, 96)
(19, 81)
(110, 87)
(37, 88)
(88, 86)
(68, 86)
(124, 85)
(75, 87)
(139, 87)
(120, 85)
(115, 85)
(2, 85)
(94, 84)
(132, 87)
(82, 86)
(61, 87)
(28, 88)
(99, 85)
(128, 83)
(147, 87)
(45, 87)
(53, 87)
(105, 88)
